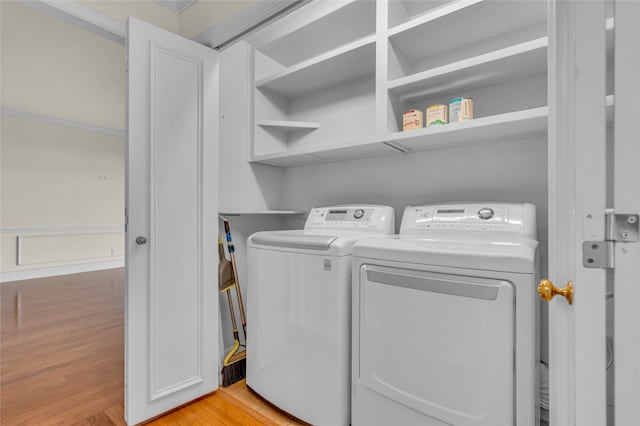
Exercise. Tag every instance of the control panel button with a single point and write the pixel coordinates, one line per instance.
(485, 213)
(358, 214)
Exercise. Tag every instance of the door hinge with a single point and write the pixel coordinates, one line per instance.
(619, 228)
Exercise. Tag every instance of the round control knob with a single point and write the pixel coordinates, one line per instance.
(358, 214)
(485, 213)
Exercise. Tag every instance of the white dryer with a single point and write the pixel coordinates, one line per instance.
(299, 311)
(445, 319)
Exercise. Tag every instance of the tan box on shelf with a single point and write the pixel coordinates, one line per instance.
(412, 119)
(437, 114)
(460, 109)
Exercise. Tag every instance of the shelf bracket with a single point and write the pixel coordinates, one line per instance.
(396, 147)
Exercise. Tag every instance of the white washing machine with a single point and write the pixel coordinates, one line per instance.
(445, 319)
(299, 311)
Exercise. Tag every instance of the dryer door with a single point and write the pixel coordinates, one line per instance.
(440, 344)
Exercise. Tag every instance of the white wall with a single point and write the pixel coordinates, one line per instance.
(243, 186)
(502, 171)
(62, 187)
(51, 67)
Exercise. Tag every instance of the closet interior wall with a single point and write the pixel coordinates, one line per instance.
(330, 81)
(243, 187)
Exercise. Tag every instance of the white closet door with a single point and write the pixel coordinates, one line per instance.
(577, 196)
(626, 176)
(171, 341)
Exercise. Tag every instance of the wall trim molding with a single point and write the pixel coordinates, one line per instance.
(28, 274)
(21, 238)
(57, 121)
(100, 229)
(77, 14)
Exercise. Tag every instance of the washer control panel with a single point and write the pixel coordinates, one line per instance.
(498, 217)
(355, 217)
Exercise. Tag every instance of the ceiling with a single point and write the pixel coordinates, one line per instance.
(176, 6)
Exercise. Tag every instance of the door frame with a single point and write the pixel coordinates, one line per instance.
(577, 202)
(626, 175)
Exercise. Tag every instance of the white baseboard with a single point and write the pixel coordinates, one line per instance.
(28, 274)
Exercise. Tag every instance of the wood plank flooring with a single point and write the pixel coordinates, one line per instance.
(233, 405)
(62, 349)
(62, 360)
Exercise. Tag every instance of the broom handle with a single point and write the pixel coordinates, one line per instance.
(243, 317)
(232, 250)
(232, 315)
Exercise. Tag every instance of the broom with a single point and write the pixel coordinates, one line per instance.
(232, 250)
(234, 366)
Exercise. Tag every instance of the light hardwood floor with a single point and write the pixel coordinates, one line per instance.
(62, 359)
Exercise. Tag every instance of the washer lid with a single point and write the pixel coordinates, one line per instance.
(501, 256)
(297, 240)
(319, 242)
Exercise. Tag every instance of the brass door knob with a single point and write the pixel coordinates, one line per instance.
(547, 290)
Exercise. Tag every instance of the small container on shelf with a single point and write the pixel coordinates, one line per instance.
(412, 119)
(437, 114)
(460, 109)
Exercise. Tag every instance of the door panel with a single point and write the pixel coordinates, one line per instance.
(171, 306)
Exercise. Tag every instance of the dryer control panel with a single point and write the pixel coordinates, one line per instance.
(517, 218)
(369, 218)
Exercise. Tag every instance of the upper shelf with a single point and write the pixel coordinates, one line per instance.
(301, 35)
(343, 64)
(289, 126)
(461, 23)
(511, 125)
(511, 63)
(401, 11)
(478, 131)
(500, 127)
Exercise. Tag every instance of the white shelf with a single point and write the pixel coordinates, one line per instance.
(483, 48)
(401, 11)
(262, 212)
(289, 125)
(462, 23)
(301, 35)
(510, 63)
(512, 125)
(343, 150)
(346, 63)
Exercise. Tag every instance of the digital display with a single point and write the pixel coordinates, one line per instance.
(336, 215)
(450, 211)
